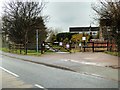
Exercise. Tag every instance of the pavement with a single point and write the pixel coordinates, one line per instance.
(16, 83)
(10, 80)
(95, 64)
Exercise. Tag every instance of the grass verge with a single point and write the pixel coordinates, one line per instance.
(113, 53)
(17, 51)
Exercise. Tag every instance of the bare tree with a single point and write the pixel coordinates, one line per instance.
(108, 13)
(21, 19)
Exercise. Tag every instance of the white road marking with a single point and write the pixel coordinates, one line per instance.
(88, 58)
(96, 75)
(39, 86)
(82, 62)
(9, 72)
(62, 52)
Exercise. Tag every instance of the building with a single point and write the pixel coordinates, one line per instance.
(94, 30)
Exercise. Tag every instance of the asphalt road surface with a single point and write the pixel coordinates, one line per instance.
(41, 76)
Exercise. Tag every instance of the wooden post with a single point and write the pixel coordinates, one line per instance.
(9, 47)
(107, 45)
(20, 48)
(93, 46)
(16, 48)
(42, 47)
(70, 46)
(26, 49)
(84, 45)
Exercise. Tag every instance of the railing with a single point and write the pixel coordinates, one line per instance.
(99, 45)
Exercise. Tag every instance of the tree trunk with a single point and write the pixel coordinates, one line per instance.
(20, 48)
(26, 41)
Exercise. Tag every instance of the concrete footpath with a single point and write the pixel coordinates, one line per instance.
(10, 80)
(16, 83)
(96, 64)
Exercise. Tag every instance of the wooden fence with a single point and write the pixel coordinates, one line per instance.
(98, 46)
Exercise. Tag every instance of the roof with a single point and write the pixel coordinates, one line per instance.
(83, 29)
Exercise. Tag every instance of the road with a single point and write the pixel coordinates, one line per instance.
(41, 76)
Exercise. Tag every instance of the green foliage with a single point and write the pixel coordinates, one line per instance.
(66, 40)
(61, 36)
(78, 37)
(53, 39)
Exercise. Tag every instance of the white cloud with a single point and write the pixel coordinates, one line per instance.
(72, 0)
(66, 14)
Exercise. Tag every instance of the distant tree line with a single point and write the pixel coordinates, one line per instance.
(73, 37)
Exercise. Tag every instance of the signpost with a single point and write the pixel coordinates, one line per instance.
(60, 44)
(67, 46)
(84, 38)
(37, 40)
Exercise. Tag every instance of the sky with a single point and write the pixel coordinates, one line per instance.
(66, 13)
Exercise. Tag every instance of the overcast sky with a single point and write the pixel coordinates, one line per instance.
(66, 13)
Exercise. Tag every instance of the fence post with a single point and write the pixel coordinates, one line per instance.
(107, 45)
(16, 48)
(20, 48)
(42, 47)
(9, 47)
(84, 45)
(70, 43)
(93, 47)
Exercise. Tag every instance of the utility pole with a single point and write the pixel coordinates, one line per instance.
(37, 40)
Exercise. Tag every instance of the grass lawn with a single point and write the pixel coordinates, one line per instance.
(29, 52)
(113, 53)
(4, 49)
